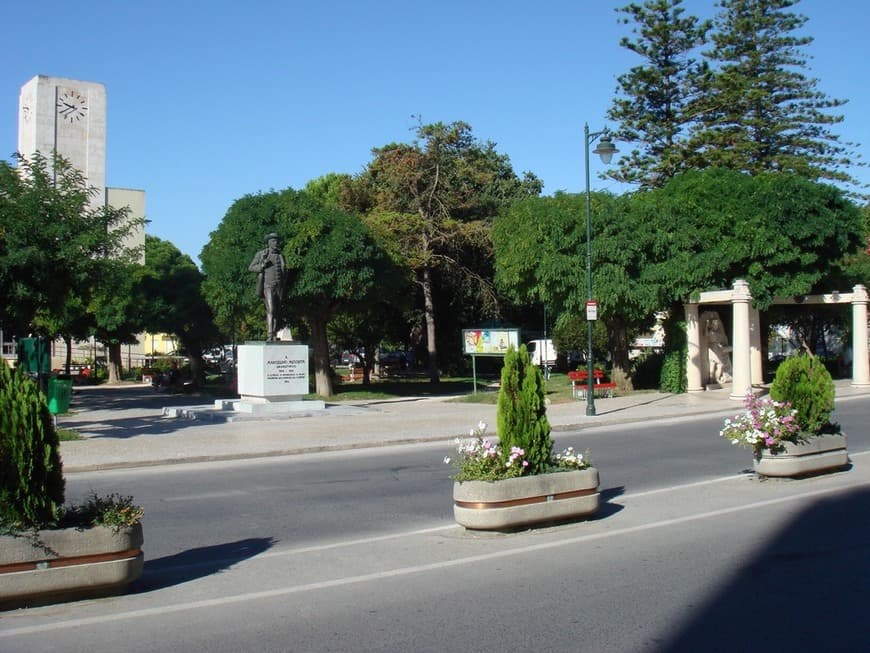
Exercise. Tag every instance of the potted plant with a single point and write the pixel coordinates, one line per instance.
(790, 432)
(49, 550)
(519, 481)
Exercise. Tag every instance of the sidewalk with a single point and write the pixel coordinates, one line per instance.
(124, 426)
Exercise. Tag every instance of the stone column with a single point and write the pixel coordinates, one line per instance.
(740, 357)
(693, 340)
(860, 358)
(755, 353)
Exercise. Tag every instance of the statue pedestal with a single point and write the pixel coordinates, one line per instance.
(273, 378)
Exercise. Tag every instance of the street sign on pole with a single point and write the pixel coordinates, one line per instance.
(591, 310)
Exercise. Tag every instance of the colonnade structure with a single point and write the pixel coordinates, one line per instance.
(746, 365)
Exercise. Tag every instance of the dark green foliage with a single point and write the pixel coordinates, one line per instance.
(653, 105)
(673, 378)
(31, 477)
(781, 233)
(646, 373)
(806, 384)
(114, 510)
(747, 102)
(522, 414)
(759, 110)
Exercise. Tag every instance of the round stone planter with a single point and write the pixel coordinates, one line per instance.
(526, 500)
(69, 561)
(817, 454)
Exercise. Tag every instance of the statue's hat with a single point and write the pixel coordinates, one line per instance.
(271, 236)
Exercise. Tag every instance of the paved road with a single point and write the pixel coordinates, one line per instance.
(722, 563)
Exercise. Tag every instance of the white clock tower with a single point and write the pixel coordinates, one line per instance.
(68, 116)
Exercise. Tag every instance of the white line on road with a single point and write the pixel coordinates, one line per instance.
(405, 571)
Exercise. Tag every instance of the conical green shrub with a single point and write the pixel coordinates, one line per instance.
(805, 383)
(522, 413)
(31, 475)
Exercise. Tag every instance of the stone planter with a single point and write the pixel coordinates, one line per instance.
(820, 453)
(526, 500)
(68, 562)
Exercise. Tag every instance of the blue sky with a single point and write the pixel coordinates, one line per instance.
(210, 101)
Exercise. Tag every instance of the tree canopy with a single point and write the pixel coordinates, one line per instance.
(782, 233)
(748, 104)
(437, 195)
(56, 246)
(334, 264)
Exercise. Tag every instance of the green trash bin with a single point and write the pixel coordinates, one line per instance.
(59, 391)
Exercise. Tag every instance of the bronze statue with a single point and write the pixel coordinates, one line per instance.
(271, 272)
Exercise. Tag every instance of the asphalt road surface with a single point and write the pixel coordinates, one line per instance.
(357, 551)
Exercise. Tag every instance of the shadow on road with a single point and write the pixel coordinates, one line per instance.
(197, 563)
(805, 591)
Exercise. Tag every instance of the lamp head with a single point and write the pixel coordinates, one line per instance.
(606, 149)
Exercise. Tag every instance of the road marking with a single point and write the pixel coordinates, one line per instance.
(415, 569)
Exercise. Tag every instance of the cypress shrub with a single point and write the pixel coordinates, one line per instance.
(31, 476)
(522, 413)
(806, 384)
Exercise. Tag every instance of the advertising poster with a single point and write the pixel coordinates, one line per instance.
(489, 342)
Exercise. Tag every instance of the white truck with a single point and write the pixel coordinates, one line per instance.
(542, 352)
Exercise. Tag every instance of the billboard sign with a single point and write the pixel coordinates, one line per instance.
(489, 342)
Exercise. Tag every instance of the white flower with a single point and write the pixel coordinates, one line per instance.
(481, 425)
(446, 460)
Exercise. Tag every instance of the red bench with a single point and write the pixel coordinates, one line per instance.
(579, 384)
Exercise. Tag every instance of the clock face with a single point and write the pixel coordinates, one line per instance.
(72, 106)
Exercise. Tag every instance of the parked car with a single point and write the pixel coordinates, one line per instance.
(349, 358)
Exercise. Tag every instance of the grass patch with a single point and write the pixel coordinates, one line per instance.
(66, 435)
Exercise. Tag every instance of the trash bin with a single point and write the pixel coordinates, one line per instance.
(59, 391)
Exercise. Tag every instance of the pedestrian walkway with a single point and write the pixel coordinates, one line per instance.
(125, 426)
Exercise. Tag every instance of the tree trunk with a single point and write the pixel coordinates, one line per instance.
(67, 340)
(320, 345)
(429, 314)
(113, 362)
(618, 341)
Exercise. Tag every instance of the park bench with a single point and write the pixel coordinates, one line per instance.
(354, 373)
(580, 383)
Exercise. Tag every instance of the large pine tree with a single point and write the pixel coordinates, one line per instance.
(759, 110)
(653, 98)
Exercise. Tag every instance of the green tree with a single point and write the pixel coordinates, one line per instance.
(759, 111)
(229, 287)
(328, 189)
(334, 263)
(784, 234)
(171, 285)
(439, 192)
(55, 243)
(538, 243)
(117, 309)
(653, 105)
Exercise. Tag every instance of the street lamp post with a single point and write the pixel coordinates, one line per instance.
(605, 150)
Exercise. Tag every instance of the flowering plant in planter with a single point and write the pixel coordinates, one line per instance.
(524, 447)
(570, 459)
(765, 424)
(480, 459)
